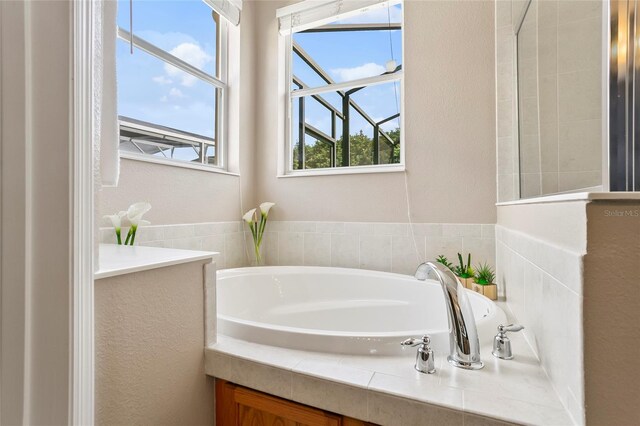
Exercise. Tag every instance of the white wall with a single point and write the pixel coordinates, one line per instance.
(450, 131)
(177, 195)
(539, 247)
(450, 137)
(540, 274)
(14, 222)
(37, 219)
(149, 348)
(181, 195)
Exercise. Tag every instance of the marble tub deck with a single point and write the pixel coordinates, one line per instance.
(388, 391)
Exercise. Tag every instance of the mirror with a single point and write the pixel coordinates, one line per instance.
(559, 57)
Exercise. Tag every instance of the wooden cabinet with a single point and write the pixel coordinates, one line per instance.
(240, 406)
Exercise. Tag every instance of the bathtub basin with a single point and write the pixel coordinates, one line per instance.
(339, 310)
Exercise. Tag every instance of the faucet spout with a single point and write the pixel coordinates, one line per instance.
(463, 335)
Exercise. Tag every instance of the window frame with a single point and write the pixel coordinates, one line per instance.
(285, 168)
(220, 85)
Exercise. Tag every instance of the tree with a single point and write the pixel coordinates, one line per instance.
(318, 154)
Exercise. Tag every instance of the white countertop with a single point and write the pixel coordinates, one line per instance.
(387, 390)
(119, 259)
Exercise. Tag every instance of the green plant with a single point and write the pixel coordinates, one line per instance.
(464, 270)
(484, 274)
(444, 261)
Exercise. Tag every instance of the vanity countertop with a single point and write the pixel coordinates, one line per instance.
(387, 390)
(118, 259)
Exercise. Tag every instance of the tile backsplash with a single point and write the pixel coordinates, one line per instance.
(225, 238)
(392, 247)
(543, 288)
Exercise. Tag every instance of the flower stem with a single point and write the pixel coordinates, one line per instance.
(133, 234)
(119, 236)
(126, 241)
(258, 255)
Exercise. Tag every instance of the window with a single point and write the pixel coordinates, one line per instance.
(344, 86)
(171, 71)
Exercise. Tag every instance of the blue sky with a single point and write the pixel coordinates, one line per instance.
(348, 56)
(151, 91)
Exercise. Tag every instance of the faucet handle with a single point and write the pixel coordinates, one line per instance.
(502, 343)
(414, 341)
(510, 327)
(424, 357)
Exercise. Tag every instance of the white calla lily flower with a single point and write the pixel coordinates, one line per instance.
(265, 207)
(134, 216)
(116, 222)
(257, 227)
(138, 221)
(137, 210)
(116, 219)
(249, 216)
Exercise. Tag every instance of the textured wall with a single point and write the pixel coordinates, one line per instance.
(450, 126)
(177, 195)
(611, 315)
(13, 270)
(149, 348)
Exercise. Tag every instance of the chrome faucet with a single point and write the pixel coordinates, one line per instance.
(424, 357)
(463, 335)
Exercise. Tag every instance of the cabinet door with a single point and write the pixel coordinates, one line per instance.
(238, 406)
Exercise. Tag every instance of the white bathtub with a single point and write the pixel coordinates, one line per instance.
(339, 310)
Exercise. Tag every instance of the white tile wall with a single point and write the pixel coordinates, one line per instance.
(222, 237)
(560, 69)
(391, 247)
(543, 288)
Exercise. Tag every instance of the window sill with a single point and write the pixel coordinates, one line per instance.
(395, 168)
(184, 165)
(575, 196)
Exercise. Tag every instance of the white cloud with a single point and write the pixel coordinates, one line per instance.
(161, 79)
(166, 41)
(366, 70)
(176, 93)
(191, 53)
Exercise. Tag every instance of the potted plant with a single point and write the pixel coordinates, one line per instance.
(464, 272)
(483, 282)
(444, 261)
